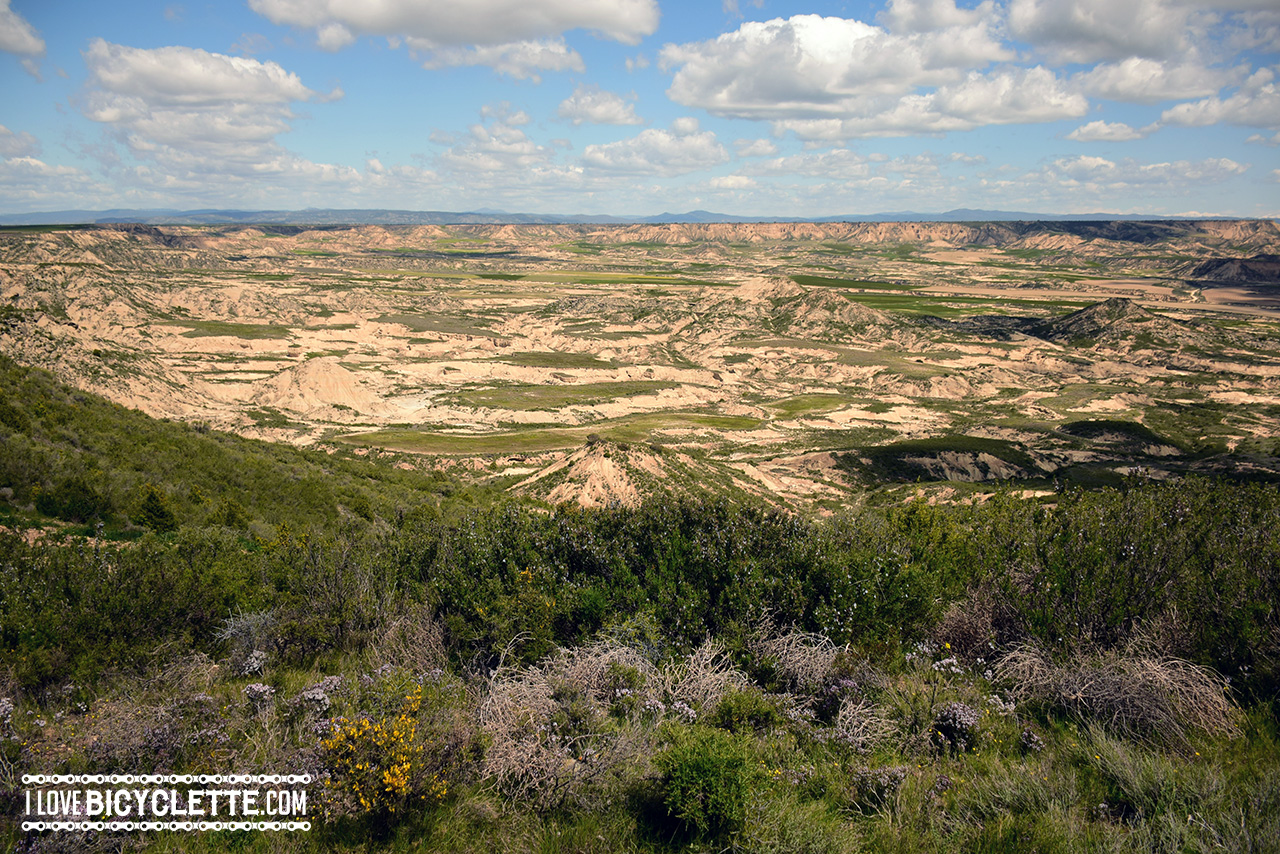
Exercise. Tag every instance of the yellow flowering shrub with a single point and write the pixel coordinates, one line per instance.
(377, 766)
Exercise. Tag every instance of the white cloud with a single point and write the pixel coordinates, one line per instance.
(1148, 81)
(1255, 29)
(333, 37)
(17, 35)
(730, 7)
(1014, 95)
(685, 125)
(498, 147)
(522, 60)
(922, 16)
(204, 124)
(1100, 131)
(1009, 96)
(448, 23)
(184, 77)
(590, 104)
(755, 147)
(1092, 30)
(732, 182)
(1106, 174)
(657, 152)
(1255, 104)
(17, 144)
(515, 37)
(808, 66)
(841, 164)
(31, 185)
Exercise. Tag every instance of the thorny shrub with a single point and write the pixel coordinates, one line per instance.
(558, 731)
(1142, 695)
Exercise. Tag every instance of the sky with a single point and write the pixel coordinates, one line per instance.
(638, 107)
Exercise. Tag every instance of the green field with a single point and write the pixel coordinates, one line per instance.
(554, 360)
(207, 328)
(555, 396)
(633, 428)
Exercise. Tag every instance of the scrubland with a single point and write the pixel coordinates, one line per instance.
(819, 549)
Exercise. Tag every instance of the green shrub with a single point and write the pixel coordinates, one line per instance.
(705, 781)
(746, 710)
(153, 510)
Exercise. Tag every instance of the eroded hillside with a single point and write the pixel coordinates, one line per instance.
(792, 361)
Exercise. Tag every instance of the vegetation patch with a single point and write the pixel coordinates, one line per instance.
(944, 458)
(861, 284)
(443, 324)
(210, 328)
(526, 397)
(1127, 433)
(554, 360)
(803, 404)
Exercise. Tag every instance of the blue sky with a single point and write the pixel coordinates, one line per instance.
(746, 107)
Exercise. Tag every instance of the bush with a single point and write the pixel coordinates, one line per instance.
(376, 766)
(705, 781)
(1148, 696)
(955, 726)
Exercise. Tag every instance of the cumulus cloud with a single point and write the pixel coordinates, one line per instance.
(1093, 30)
(842, 164)
(1256, 103)
(31, 184)
(184, 77)
(685, 125)
(922, 16)
(593, 105)
(198, 121)
(755, 147)
(478, 22)
(658, 152)
(1100, 131)
(1008, 96)
(516, 37)
(333, 36)
(1086, 183)
(836, 79)
(500, 146)
(1148, 81)
(810, 66)
(17, 35)
(521, 60)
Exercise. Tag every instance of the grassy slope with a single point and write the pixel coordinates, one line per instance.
(75, 457)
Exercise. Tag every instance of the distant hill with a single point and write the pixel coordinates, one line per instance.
(379, 216)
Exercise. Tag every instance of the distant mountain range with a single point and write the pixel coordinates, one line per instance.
(330, 216)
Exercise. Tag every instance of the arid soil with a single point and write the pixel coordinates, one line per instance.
(601, 364)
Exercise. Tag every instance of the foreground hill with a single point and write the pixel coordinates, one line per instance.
(70, 456)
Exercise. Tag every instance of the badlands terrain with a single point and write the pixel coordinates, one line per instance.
(803, 364)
